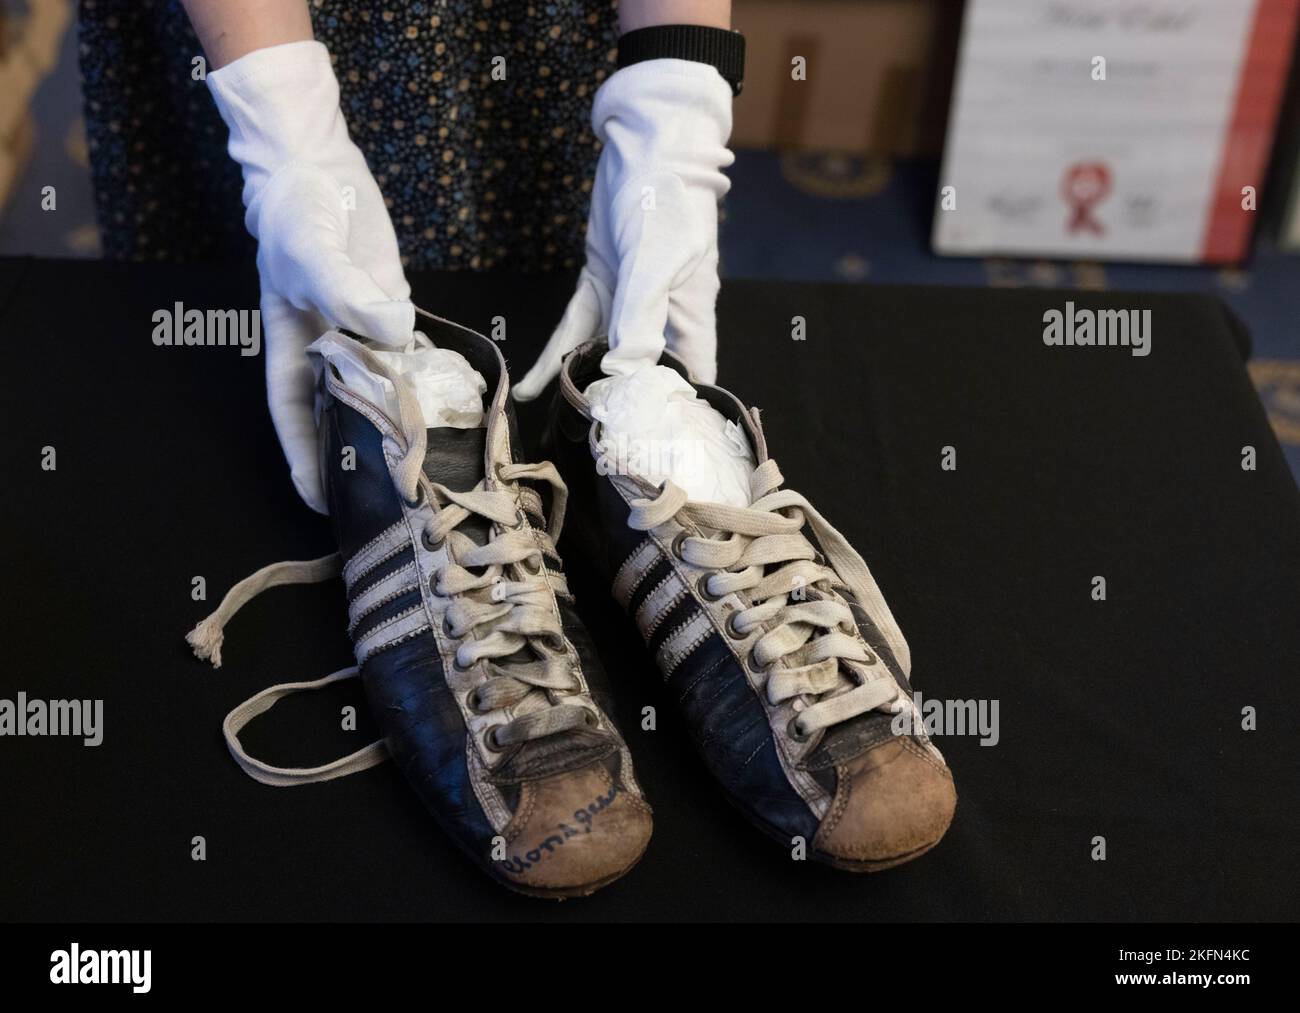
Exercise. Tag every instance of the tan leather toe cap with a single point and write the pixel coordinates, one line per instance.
(574, 833)
(892, 803)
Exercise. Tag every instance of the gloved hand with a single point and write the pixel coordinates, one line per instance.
(652, 235)
(327, 254)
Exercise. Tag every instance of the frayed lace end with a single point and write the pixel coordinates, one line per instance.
(206, 640)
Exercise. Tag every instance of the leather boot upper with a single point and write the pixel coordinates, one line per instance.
(552, 812)
(858, 792)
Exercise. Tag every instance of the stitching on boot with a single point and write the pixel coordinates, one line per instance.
(839, 805)
(524, 815)
(916, 750)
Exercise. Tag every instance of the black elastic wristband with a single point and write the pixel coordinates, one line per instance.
(718, 47)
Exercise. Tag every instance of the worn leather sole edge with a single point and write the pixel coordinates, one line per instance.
(874, 865)
(565, 893)
(820, 857)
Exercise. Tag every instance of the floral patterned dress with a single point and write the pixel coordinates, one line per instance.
(477, 172)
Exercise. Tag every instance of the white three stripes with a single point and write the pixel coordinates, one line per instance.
(658, 604)
(406, 623)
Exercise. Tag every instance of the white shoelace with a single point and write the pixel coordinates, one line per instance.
(500, 616)
(805, 640)
(491, 617)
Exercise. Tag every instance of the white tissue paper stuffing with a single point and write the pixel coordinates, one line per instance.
(448, 389)
(654, 425)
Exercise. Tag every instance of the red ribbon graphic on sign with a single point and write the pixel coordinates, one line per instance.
(1086, 184)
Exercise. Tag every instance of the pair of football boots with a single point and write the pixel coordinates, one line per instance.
(788, 669)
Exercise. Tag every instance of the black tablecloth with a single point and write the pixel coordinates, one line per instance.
(1119, 719)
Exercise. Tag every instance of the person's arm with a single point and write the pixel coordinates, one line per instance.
(634, 14)
(651, 275)
(230, 29)
(327, 253)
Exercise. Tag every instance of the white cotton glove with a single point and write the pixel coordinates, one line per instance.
(327, 254)
(651, 275)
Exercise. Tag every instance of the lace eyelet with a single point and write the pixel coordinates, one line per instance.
(474, 702)
(555, 642)
(702, 586)
(490, 740)
(793, 730)
(675, 547)
(589, 718)
(446, 628)
(752, 664)
(428, 542)
(530, 570)
(419, 501)
(732, 632)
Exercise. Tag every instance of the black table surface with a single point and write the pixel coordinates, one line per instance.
(1118, 719)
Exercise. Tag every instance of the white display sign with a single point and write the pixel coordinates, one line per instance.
(1133, 129)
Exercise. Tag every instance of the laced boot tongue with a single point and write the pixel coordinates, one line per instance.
(847, 739)
(454, 458)
(555, 754)
(854, 735)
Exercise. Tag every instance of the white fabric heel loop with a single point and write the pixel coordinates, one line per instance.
(285, 777)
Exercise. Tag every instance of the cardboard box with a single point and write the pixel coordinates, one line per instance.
(878, 74)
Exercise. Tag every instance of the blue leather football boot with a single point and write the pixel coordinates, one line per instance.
(791, 674)
(477, 669)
